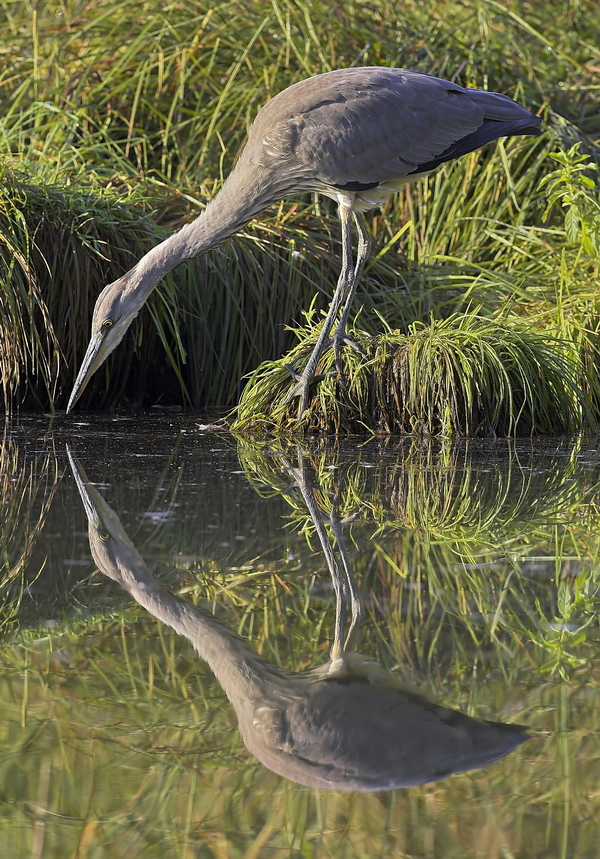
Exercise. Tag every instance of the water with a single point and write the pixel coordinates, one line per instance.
(477, 564)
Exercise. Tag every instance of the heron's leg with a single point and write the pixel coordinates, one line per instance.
(341, 338)
(339, 581)
(356, 604)
(344, 287)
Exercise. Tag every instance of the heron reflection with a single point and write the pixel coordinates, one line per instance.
(346, 725)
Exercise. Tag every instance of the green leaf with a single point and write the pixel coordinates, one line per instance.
(572, 223)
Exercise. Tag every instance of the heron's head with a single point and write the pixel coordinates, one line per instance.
(112, 550)
(117, 306)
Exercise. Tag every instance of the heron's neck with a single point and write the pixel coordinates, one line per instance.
(237, 667)
(246, 192)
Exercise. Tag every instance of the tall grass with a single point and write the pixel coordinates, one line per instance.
(159, 98)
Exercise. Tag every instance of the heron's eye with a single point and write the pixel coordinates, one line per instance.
(104, 537)
(107, 323)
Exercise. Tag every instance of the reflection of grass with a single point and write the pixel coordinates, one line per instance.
(472, 493)
(114, 738)
(26, 493)
(448, 530)
(141, 755)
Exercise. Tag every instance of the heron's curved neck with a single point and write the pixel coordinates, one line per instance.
(246, 192)
(235, 665)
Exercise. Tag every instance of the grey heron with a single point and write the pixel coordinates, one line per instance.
(355, 135)
(345, 725)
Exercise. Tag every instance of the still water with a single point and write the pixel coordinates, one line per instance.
(220, 648)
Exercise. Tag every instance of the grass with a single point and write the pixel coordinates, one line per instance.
(463, 376)
(113, 113)
(57, 243)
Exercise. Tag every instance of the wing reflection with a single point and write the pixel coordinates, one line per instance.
(345, 725)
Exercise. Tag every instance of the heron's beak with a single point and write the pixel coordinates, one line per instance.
(98, 350)
(95, 355)
(111, 548)
(89, 495)
(100, 516)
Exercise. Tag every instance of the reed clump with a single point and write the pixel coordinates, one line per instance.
(462, 376)
(151, 104)
(59, 244)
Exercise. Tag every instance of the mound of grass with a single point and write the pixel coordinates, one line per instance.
(463, 376)
(59, 245)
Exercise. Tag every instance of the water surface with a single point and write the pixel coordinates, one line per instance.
(478, 567)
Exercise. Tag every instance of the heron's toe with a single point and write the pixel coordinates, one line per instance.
(302, 387)
(340, 339)
(337, 342)
(295, 376)
(300, 390)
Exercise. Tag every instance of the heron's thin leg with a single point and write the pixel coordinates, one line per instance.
(340, 583)
(341, 338)
(356, 603)
(344, 287)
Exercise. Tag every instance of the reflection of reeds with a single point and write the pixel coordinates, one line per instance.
(473, 492)
(153, 759)
(141, 750)
(27, 488)
(443, 532)
(470, 492)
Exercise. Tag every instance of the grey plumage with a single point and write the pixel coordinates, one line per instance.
(372, 125)
(355, 135)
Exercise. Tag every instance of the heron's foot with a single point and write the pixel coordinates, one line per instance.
(297, 376)
(337, 342)
(301, 388)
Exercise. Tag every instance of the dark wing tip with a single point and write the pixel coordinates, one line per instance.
(534, 130)
(357, 186)
(489, 131)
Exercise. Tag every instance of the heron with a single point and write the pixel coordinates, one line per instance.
(347, 724)
(354, 135)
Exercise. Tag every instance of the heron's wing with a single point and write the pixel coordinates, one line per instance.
(374, 124)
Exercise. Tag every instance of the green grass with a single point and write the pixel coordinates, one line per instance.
(116, 112)
(462, 376)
